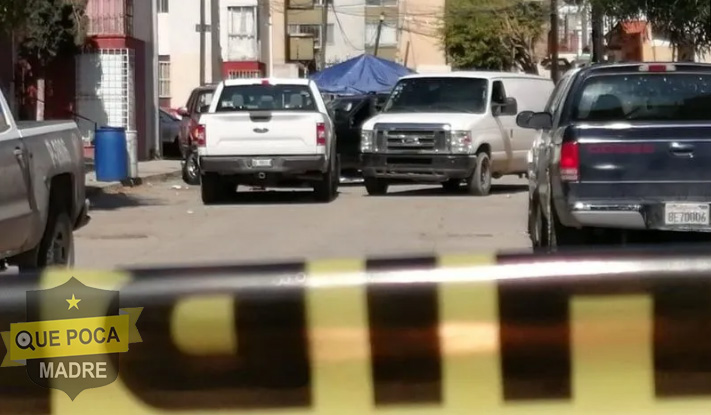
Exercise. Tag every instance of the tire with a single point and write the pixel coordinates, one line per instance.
(191, 170)
(56, 248)
(451, 185)
(479, 184)
(537, 226)
(327, 189)
(375, 186)
(214, 189)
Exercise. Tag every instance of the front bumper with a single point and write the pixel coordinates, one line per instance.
(418, 167)
(83, 219)
(631, 216)
(292, 165)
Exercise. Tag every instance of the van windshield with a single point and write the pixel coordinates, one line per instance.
(645, 97)
(438, 94)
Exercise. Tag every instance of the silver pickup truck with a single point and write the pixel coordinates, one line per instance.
(42, 194)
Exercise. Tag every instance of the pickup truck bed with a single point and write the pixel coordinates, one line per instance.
(42, 191)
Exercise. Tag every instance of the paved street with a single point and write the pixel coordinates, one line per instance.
(166, 223)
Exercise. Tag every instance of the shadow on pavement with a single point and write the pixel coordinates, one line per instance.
(113, 201)
(245, 196)
(439, 191)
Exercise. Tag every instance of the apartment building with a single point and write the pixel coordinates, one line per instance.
(244, 40)
(408, 31)
(114, 78)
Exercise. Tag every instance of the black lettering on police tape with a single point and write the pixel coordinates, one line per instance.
(18, 394)
(535, 333)
(404, 339)
(271, 368)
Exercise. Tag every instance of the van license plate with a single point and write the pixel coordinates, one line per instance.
(686, 214)
(261, 162)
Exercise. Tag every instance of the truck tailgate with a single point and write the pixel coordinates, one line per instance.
(651, 162)
(261, 133)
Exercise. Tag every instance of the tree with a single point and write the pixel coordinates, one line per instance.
(685, 23)
(493, 34)
(44, 29)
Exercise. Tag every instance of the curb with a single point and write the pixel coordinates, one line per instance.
(93, 190)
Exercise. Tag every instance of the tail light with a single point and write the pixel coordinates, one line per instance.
(320, 134)
(200, 135)
(570, 162)
(659, 67)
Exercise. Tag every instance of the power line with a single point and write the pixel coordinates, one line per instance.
(343, 32)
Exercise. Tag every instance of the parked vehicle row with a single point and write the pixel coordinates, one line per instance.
(609, 149)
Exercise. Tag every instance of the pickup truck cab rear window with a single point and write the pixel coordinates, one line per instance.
(644, 97)
(266, 98)
(438, 94)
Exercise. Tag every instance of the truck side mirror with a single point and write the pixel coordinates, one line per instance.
(534, 120)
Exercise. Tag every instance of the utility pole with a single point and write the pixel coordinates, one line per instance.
(324, 33)
(555, 74)
(216, 50)
(597, 35)
(202, 42)
(377, 34)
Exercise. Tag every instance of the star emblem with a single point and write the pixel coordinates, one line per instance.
(73, 303)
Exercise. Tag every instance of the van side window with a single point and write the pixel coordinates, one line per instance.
(498, 93)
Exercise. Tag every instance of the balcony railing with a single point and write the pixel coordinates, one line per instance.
(110, 17)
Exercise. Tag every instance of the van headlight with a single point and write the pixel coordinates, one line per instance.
(461, 142)
(366, 141)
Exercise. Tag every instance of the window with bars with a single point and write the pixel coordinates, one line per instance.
(163, 6)
(164, 76)
(315, 30)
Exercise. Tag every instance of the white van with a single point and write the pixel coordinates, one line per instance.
(452, 128)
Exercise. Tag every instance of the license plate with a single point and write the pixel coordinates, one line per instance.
(686, 213)
(261, 162)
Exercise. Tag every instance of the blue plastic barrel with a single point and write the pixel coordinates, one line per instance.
(110, 154)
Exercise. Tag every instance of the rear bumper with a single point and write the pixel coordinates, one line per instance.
(298, 164)
(418, 167)
(632, 216)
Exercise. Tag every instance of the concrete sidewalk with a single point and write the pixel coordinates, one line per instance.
(154, 170)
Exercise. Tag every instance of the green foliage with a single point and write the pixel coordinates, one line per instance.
(12, 14)
(686, 23)
(492, 34)
(44, 28)
(50, 28)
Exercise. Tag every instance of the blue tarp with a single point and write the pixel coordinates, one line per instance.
(360, 75)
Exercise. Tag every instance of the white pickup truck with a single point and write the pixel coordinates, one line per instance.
(266, 133)
(42, 193)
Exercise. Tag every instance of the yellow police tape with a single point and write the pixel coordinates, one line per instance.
(610, 336)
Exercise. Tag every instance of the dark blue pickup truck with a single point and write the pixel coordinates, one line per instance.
(622, 147)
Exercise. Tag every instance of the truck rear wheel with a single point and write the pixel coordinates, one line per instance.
(375, 186)
(479, 183)
(56, 248)
(327, 189)
(214, 189)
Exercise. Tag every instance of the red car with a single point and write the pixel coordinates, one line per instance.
(198, 102)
